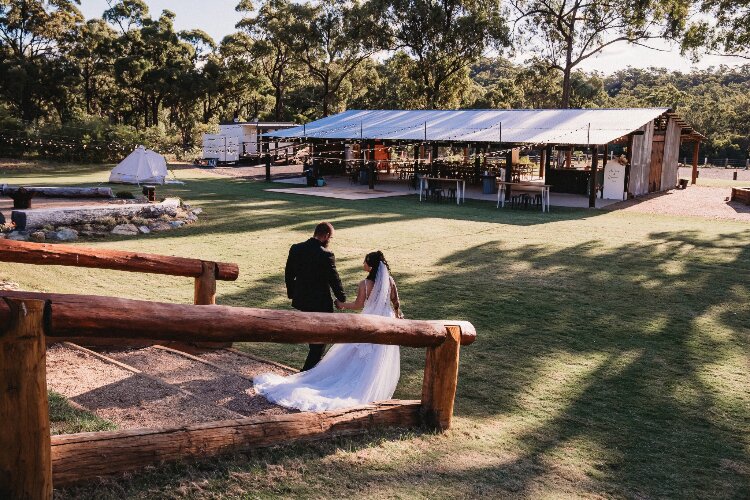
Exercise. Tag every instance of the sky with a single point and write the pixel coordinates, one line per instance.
(218, 18)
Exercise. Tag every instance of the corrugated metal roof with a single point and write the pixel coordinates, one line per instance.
(512, 126)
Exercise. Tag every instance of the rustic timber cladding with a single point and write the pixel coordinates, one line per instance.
(669, 169)
(86, 456)
(640, 162)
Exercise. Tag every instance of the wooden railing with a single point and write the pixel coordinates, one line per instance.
(206, 273)
(31, 460)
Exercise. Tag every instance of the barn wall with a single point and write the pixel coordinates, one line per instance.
(640, 160)
(669, 170)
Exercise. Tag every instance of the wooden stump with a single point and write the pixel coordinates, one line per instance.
(25, 459)
(440, 380)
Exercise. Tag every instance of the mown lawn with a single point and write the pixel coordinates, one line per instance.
(612, 357)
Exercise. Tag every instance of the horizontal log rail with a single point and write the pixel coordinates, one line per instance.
(70, 255)
(86, 456)
(110, 317)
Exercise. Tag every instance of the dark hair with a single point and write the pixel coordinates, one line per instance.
(323, 229)
(373, 260)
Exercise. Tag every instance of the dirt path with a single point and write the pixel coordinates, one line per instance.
(171, 389)
(697, 201)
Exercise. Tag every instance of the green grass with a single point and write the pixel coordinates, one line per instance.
(66, 419)
(611, 360)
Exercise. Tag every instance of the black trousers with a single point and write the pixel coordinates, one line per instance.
(313, 356)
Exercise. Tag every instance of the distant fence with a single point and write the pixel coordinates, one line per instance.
(719, 162)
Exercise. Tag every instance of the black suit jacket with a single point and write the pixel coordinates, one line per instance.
(309, 274)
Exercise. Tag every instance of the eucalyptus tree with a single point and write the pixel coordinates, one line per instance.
(723, 28)
(274, 44)
(333, 38)
(564, 33)
(93, 55)
(443, 37)
(242, 87)
(34, 38)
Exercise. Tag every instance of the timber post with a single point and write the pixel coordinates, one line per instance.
(592, 183)
(25, 461)
(267, 161)
(205, 295)
(371, 165)
(542, 161)
(440, 380)
(696, 149)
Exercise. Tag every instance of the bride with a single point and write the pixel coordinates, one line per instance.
(349, 374)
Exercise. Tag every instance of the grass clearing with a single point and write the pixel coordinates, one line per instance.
(67, 419)
(611, 360)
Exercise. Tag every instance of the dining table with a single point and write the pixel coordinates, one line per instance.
(524, 186)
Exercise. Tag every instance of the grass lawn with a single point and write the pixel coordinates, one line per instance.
(611, 360)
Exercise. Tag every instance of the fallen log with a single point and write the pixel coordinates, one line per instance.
(85, 456)
(110, 317)
(60, 192)
(99, 258)
(65, 216)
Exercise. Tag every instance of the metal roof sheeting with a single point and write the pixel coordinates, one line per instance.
(510, 126)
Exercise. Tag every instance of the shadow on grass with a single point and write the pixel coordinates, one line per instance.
(650, 326)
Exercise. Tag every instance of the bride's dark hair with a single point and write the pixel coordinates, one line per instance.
(373, 260)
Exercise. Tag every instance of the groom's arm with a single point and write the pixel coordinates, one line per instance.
(334, 281)
(289, 274)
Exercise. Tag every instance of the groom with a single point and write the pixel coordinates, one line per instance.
(309, 274)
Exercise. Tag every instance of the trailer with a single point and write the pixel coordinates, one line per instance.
(240, 142)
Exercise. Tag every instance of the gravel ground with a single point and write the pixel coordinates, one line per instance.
(207, 383)
(129, 400)
(244, 365)
(715, 173)
(709, 202)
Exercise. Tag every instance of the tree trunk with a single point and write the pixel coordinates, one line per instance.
(60, 192)
(33, 219)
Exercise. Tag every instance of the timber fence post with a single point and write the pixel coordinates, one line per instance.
(440, 380)
(205, 295)
(25, 459)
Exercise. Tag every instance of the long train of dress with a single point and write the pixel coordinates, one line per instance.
(349, 374)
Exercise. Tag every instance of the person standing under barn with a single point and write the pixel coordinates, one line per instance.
(310, 276)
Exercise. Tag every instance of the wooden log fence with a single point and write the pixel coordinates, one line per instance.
(31, 461)
(205, 273)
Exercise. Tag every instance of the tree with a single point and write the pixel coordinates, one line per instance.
(564, 33)
(273, 43)
(34, 35)
(333, 38)
(728, 33)
(444, 38)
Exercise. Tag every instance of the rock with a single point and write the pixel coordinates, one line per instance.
(64, 234)
(17, 236)
(125, 230)
(37, 236)
(144, 229)
(159, 226)
(197, 210)
(191, 218)
(176, 223)
(3, 236)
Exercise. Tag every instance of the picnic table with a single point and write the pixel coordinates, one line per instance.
(460, 187)
(533, 187)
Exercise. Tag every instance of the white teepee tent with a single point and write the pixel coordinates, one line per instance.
(142, 166)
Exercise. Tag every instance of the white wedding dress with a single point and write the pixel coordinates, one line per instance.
(349, 374)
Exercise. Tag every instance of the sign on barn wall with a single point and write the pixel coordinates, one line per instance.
(614, 181)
